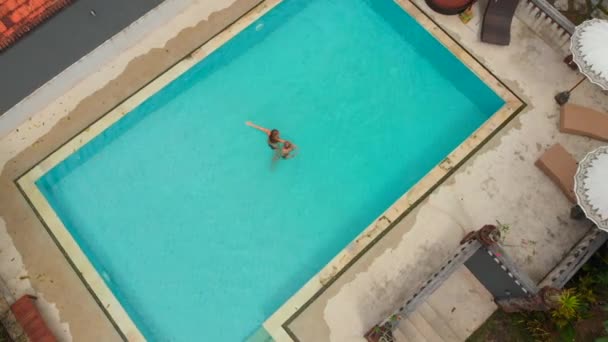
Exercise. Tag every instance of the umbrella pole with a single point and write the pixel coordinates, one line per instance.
(564, 96)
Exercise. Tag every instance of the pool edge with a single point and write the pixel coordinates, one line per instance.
(277, 324)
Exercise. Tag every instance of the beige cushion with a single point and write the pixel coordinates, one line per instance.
(575, 119)
(560, 167)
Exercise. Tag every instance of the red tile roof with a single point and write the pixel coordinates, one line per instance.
(17, 17)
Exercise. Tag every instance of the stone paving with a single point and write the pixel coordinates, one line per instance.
(499, 183)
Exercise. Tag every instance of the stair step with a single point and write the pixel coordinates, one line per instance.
(409, 330)
(441, 327)
(424, 327)
(399, 336)
(462, 303)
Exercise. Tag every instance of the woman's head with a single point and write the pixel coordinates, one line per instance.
(274, 135)
(287, 144)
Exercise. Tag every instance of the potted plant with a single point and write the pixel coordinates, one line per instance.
(380, 333)
(449, 7)
(384, 332)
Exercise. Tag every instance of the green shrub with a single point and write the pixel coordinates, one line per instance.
(569, 310)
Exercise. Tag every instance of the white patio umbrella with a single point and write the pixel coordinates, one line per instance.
(591, 186)
(589, 47)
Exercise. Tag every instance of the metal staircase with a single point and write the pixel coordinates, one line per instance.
(422, 317)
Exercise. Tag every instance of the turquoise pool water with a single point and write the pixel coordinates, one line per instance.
(178, 204)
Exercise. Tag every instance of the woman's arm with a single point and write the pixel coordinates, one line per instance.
(251, 124)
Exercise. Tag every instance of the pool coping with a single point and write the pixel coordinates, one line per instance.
(277, 324)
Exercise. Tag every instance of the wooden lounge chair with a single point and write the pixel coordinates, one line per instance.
(496, 25)
(560, 167)
(575, 119)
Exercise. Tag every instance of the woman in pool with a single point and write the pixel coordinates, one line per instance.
(274, 137)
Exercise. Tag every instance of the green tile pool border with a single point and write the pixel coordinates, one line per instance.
(375, 231)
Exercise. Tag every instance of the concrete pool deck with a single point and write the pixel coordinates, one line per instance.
(499, 182)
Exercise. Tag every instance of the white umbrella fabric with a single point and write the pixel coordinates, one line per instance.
(591, 186)
(589, 47)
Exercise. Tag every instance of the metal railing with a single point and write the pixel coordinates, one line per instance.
(554, 14)
(575, 259)
(512, 289)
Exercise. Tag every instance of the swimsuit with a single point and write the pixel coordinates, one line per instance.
(286, 155)
(273, 145)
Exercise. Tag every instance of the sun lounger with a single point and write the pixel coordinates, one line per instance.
(575, 119)
(496, 25)
(560, 167)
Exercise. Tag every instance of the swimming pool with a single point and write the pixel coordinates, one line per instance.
(179, 206)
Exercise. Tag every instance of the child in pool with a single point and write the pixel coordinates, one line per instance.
(288, 150)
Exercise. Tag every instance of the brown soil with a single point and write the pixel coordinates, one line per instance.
(4, 335)
(501, 327)
(593, 327)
